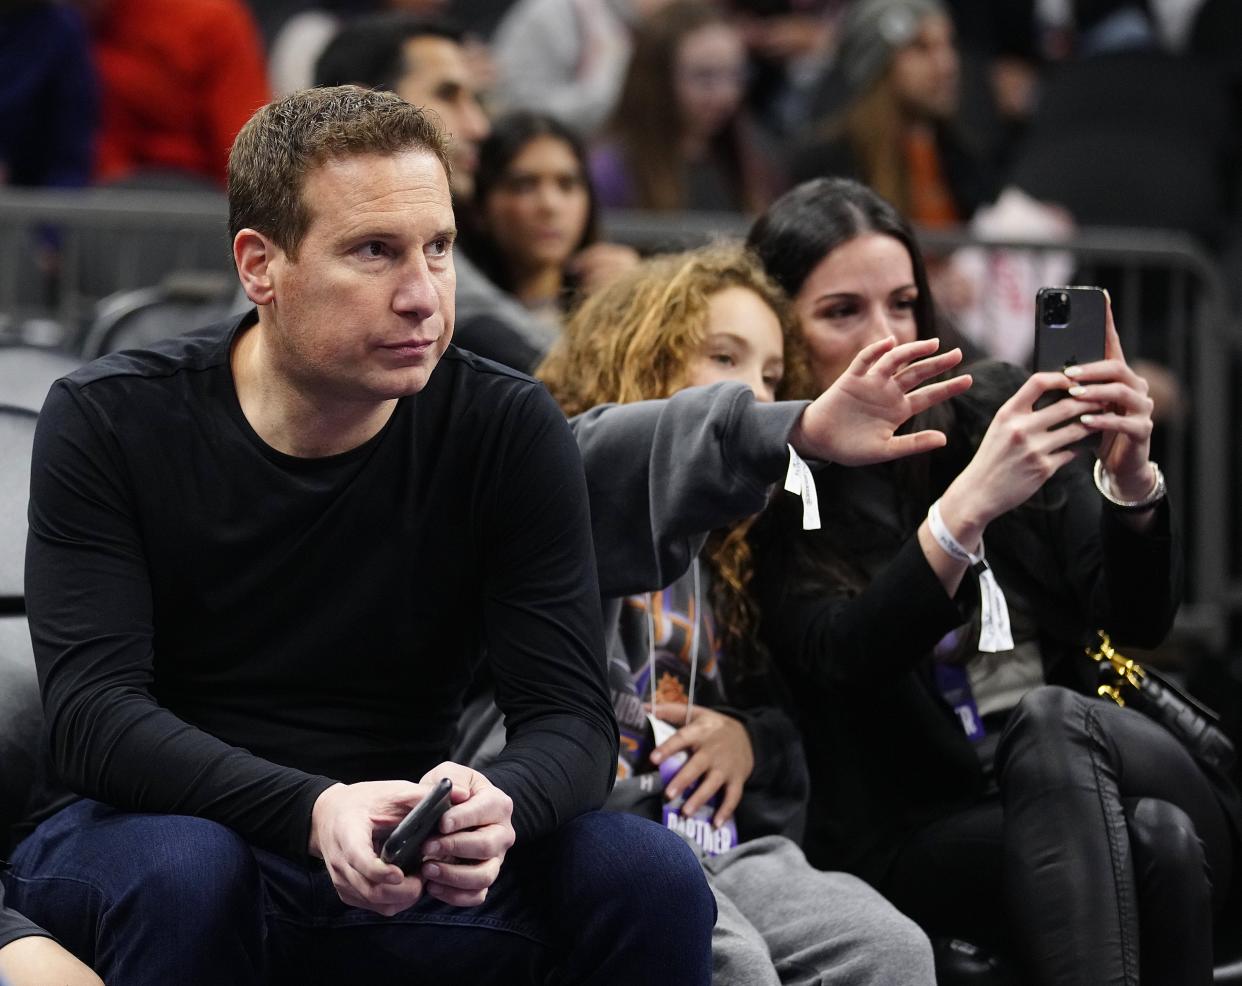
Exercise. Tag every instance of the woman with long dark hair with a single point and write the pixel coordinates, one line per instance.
(680, 138)
(534, 211)
(933, 636)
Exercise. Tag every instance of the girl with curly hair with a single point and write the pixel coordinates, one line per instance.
(704, 744)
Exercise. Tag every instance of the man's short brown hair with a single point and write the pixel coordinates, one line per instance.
(285, 140)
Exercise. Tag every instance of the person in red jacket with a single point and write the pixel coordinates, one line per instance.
(179, 78)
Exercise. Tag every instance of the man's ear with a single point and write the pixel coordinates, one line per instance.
(253, 254)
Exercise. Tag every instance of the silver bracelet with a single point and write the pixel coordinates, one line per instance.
(1105, 487)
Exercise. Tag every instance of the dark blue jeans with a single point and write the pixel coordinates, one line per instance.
(161, 899)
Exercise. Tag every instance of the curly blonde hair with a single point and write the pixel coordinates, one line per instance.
(635, 340)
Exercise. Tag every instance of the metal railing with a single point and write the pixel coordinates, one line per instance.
(62, 252)
(109, 240)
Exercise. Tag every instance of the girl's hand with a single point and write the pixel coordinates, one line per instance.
(721, 757)
(855, 421)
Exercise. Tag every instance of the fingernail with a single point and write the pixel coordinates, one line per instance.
(431, 871)
(1073, 371)
(656, 757)
(1087, 418)
(433, 848)
(1077, 390)
(672, 793)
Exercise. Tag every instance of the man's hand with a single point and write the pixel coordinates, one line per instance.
(854, 421)
(721, 757)
(347, 824)
(477, 832)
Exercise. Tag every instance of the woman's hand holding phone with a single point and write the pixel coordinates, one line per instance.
(1023, 446)
(1125, 421)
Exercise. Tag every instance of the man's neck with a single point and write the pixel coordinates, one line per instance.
(289, 419)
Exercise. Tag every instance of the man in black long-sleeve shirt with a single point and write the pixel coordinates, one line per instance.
(264, 560)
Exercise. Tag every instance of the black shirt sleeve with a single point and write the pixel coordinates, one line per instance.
(89, 601)
(543, 628)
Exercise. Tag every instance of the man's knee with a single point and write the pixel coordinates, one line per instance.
(193, 862)
(153, 867)
(634, 863)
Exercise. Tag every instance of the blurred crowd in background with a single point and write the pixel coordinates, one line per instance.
(1119, 112)
(1014, 118)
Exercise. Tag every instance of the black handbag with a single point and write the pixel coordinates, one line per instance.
(1131, 685)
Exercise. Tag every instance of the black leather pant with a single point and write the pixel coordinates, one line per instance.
(1109, 848)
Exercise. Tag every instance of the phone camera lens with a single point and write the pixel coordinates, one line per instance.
(1056, 309)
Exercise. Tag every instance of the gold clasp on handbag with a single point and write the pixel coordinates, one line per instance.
(1128, 672)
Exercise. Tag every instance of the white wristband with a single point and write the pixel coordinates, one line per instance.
(995, 633)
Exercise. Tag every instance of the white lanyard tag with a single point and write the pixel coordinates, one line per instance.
(660, 729)
(800, 482)
(994, 632)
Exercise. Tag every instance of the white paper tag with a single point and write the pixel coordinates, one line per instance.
(660, 729)
(994, 631)
(793, 475)
(800, 482)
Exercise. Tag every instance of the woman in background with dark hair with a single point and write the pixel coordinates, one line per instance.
(933, 634)
(535, 218)
(679, 138)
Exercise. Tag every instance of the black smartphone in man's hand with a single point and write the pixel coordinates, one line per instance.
(402, 847)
